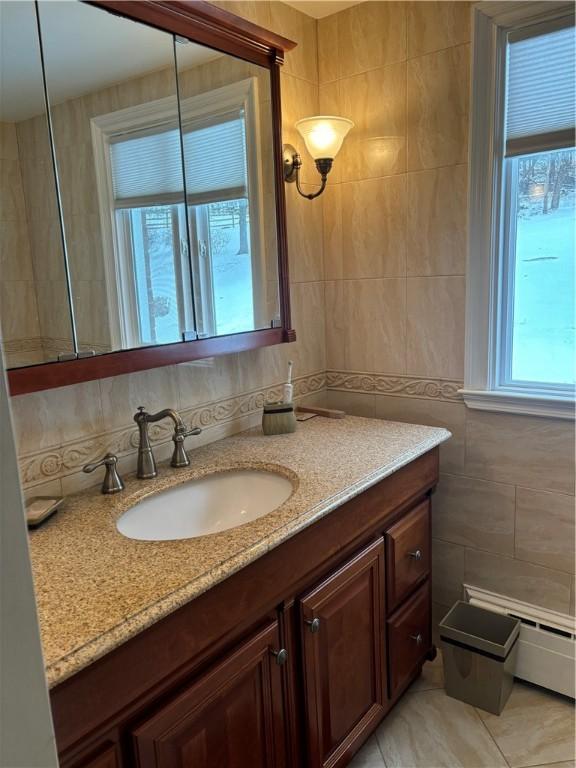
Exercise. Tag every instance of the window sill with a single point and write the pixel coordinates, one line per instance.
(520, 403)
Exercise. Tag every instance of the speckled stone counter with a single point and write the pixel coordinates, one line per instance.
(95, 588)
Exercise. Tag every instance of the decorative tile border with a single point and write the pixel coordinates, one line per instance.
(63, 460)
(397, 386)
(32, 344)
(67, 459)
(52, 344)
(41, 349)
(19, 352)
(55, 346)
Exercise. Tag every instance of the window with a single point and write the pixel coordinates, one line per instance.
(224, 271)
(160, 290)
(521, 352)
(538, 309)
(219, 206)
(156, 272)
(150, 281)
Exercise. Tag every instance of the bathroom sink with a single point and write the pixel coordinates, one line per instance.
(210, 504)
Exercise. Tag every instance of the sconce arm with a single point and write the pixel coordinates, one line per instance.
(311, 195)
(292, 165)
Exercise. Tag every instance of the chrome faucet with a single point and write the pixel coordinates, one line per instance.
(146, 462)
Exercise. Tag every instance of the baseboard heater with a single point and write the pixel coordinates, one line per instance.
(547, 643)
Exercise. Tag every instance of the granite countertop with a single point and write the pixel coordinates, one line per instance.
(95, 588)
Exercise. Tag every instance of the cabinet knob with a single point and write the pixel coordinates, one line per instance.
(418, 639)
(281, 656)
(313, 625)
(417, 554)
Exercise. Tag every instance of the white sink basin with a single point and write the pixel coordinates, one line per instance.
(208, 505)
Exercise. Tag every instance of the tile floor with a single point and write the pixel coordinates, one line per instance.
(427, 729)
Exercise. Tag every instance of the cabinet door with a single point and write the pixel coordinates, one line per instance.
(344, 657)
(231, 717)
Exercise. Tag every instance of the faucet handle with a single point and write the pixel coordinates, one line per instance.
(112, 481)
(140, 414)
(180, 457)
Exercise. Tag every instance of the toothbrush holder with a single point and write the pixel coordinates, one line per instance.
(278, 419)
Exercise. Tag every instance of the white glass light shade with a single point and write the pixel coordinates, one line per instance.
(324, 134)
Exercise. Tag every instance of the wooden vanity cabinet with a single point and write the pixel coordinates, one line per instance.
(233, 715)
(344, 656)
(291, 662)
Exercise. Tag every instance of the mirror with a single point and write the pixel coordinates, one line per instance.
(149, 167)
(112, 91)
(35, 313)
(228, 159)
(165, 163)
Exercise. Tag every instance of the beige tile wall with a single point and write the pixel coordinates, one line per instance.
(45, 236)
(33, 304)
(394, 227)
(18, 306)
(395, 261)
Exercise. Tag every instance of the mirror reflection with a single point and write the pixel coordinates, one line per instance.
(229, 176)
(113, 101)
(164, 158)
(34, 307)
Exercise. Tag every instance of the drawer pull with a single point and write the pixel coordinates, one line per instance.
(281, 656)
(418, 639)
(417, 554)
(313, 625)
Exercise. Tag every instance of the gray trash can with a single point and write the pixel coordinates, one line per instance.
(479, 649)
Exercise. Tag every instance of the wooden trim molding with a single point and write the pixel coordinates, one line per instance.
(35, 378)
(500, 401)
(507, 13)
(59, 461)
(208, 25)
(397, 386)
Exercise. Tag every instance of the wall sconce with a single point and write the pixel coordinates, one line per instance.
(323, 136)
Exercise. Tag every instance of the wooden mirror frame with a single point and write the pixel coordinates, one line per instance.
(208, 25)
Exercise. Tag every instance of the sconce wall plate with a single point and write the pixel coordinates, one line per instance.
(291, 162)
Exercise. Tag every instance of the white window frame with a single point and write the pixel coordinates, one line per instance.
(488, 223)
(127, 316)
(243, 93)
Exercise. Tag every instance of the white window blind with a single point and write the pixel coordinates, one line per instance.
(215, 161)
(147, 165)
(540, 89)
(146, 168)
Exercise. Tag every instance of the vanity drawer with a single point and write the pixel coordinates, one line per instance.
(408, 638)
(407, 553)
